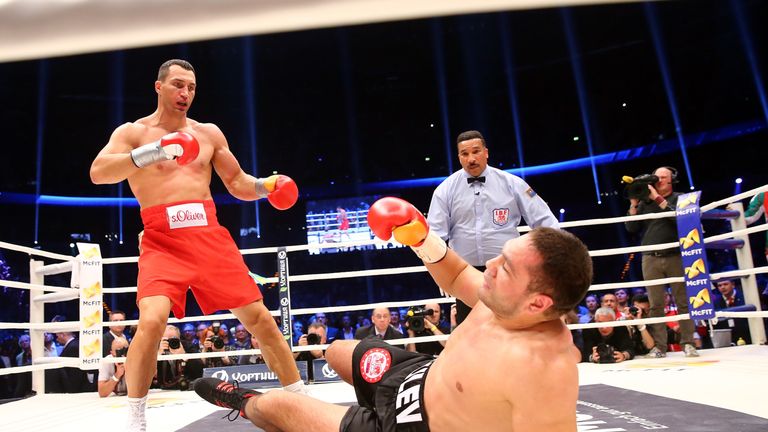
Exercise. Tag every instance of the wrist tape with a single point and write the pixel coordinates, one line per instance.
(432, 249)
(261, 188)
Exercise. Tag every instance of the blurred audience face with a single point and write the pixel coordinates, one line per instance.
(117, 329)
(254, 342)
(605, 331)
(621, 296)
(726, 287)
(394, 317)
(435, 317)
(189, 333)
(201, 329)
(608, 300)
(321, 318)
(320, 331)
(346, 321)
(240, 333)
(645, 306)
(591, 302)
(24, 342)
(380, 318)
(298, 327)
(117, 343)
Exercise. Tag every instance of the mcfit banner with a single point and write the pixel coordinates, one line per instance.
(90, 275)
(694, 256)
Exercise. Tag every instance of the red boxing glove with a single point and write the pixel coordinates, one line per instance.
(176, 145)
(283, 191)
(394, 216)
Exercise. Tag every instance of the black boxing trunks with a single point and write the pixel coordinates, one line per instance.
(389, 385)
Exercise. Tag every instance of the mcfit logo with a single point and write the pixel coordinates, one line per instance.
(92, 319)
(92, 290)
(691, 239)
(695, 269)
(92, 348)
(701, 298)
(689, 200)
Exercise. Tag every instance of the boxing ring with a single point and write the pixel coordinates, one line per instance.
(722, 386)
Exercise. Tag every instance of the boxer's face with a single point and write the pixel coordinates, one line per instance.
(473, 156)
(507, 277)
(178, 90)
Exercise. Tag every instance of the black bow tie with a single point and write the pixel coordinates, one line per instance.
(480, 179)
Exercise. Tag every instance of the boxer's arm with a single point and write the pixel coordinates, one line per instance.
(456, 277)
(238, 183)
(113, 164)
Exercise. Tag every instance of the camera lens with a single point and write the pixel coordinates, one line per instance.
(218, 342)
(174, 343)
(416, 324)
(633, 310)
(313, 339)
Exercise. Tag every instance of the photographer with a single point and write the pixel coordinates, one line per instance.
(111, 375)
(176, 374)
(213, 342)
(316, 335)
(607, 344)
(426, 322)
(660, 264)
(641, 338)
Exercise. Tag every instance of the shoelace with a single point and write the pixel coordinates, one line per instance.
(226, 392)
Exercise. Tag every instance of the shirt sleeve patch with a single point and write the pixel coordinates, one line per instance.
(531, 193)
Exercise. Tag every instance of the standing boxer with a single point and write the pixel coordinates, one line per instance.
(168, 159)
(510, 366)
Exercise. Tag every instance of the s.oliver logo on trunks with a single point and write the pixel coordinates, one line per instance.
(186, 215)
(374, 363)
(501, 216)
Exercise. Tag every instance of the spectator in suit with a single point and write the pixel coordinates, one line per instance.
(729, 296)
(396, 322)
(68, 379)
(347, 330)
(380, 328)
(115, 331)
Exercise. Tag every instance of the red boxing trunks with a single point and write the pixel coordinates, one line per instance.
(185, 247)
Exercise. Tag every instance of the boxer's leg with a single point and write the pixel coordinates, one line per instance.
(141, 361)
(285, 411)
(339, 356)
(257, 319)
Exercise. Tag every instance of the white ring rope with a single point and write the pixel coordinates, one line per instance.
(66, 293)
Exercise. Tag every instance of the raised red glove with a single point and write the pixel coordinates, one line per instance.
(283, 192)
